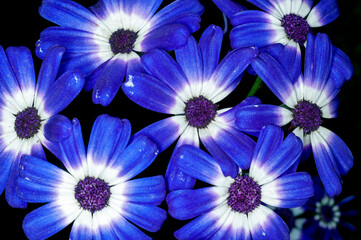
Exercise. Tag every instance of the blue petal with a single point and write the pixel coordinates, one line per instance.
(63, 92)
(168, 37)
(198, 164)
(148, 217)
(150, 190)
(136, 157)
(253, 118)
(163, 132)
(249, 34)
(106, 136)
(7, 159)
(67, 13)
(38, 180)
(46, 221)
(190, 60)
(152, 94)
(265, 5)
(189, 203)
(58, 128)
(161, 65)
(49, 70)
(290, 59)
(210, 44)
(289, 191)
(22, 64)
(342, 68)
(266, 223)
(228, 7)
(184, 12)
(109, 81)
(276, 78)
(278, 162)
(326, 166)
(323, 13)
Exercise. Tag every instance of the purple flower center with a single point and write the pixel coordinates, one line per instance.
(92, 194)
(200, 111)
(244, 194)
(122, 41)
(296, 27)
(327, 213)
(27, 123)
(307, 116)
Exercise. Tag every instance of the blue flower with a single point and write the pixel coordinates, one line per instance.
(96, 191)
(105, 40)
(190, 89)
(236, 208)
(307, 99)
(281, 21)
(28, 109)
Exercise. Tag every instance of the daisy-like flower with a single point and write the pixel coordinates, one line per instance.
(308, 99)
(28, 109)
(95, 192)
(324, 217)
(281, 21)
(190, 89)
(105, 40)
(234, 208)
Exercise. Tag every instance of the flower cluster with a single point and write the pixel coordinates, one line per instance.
(231, 170)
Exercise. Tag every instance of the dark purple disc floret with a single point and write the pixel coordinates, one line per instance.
(244, 194)
(27, 123)
(307, 116)
(200, 111)
(296, 27)
(92, 194)
(122, 41)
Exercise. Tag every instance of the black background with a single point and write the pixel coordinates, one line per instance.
(20, 25)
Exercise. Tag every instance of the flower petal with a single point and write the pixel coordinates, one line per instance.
(49, 219)
(323, 13)
(189, 203)
(228, 7)
(289, 191)
(152, 94)
(62, 92)
(109, 80)
(58, 128)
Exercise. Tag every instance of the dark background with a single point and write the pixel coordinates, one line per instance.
(20, 25)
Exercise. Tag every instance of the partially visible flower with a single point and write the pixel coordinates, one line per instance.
(237, 208)
(105, 41)
(307, 99)
(190, 89)
(286, 21)
(28, 109)
(321, 217)
(95, 192)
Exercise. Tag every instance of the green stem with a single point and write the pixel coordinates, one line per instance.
(256, 85)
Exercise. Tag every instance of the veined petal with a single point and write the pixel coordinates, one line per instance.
(283, 158)
(227, 73)
(210, 44)
(289, 191)
(164, 132)
(326, 165)
(110, 79)
(152, 94)
(67, 13)
(323, 13)
(253, 118)
(22, 64)
(48, 72)
(40, 181)
(82, 226)
(228, 7)
(276, 78)
(49, 219)
(200, 165)
(146, 216)
(62, 92)
(162, 66)
(189, 203)
(58, 128)
(264, 222)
